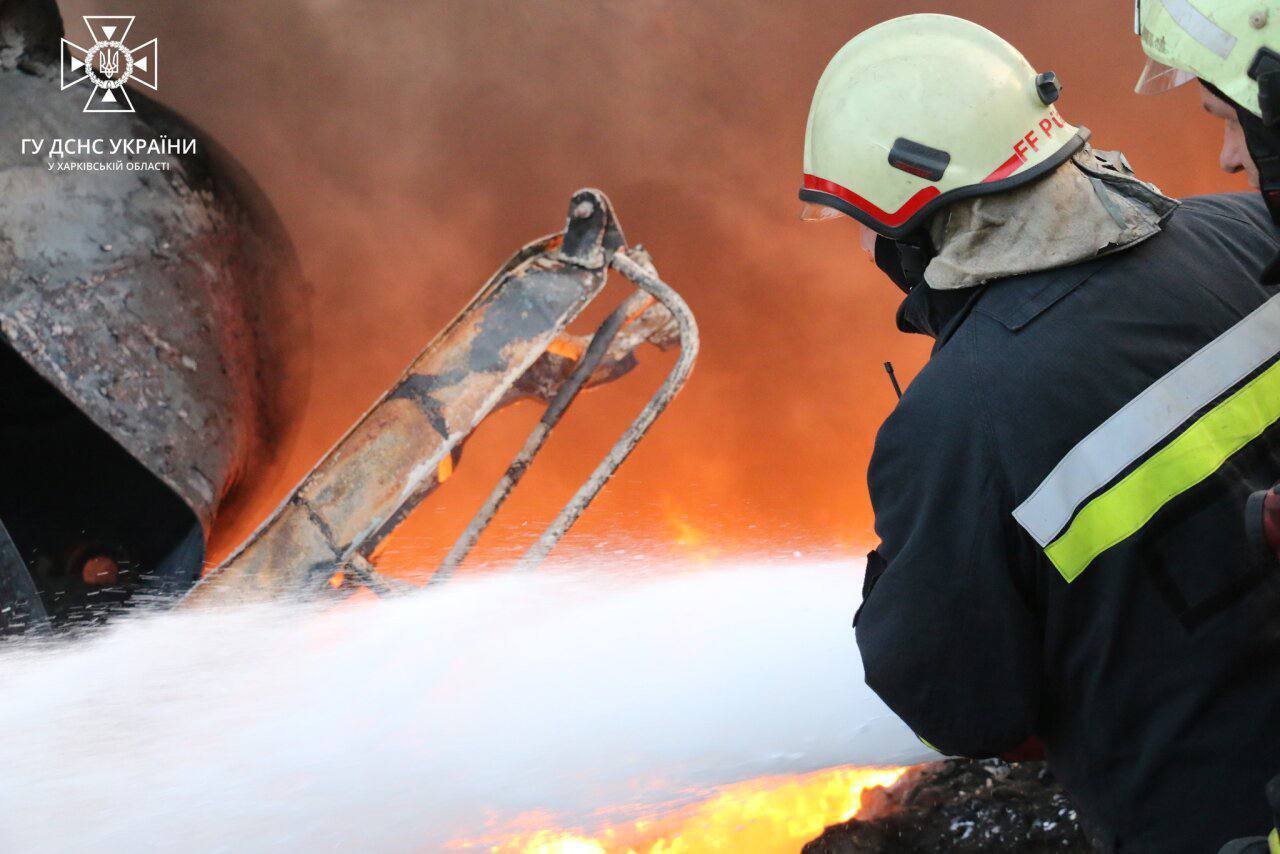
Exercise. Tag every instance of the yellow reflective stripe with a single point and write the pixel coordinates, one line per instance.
(1273, 842)
(1198, 452)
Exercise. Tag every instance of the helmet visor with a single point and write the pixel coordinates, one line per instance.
(1158, 77)
(813, 212)
(867, 240)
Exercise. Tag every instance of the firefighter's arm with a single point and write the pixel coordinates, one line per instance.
(947, 635)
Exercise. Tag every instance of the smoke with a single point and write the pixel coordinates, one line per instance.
(411, 147)
(398, 725)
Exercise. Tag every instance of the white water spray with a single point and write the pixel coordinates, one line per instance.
(398, 725)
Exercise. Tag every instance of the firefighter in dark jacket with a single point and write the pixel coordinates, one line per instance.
(1059, 495)
(1232, 48)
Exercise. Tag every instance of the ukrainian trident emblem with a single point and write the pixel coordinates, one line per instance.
(109, 64)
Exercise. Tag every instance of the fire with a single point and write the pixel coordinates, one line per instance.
(693, 541)
(567, 347)
(771, 814)
(688, 534)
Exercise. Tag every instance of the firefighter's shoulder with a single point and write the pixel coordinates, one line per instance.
(941, 414)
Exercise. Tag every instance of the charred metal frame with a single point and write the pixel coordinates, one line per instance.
(497, 350)
(635, 265)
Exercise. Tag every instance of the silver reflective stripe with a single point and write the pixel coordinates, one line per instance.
(1151, 416)
(1206, 33)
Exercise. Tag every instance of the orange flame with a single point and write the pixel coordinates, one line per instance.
(693, 541)
(771, 814)
(445, 470)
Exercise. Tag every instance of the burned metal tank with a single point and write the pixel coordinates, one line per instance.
(154, 326)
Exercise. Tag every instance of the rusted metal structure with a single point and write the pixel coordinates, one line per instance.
(168, 306)
(496, 350)
(154, 327)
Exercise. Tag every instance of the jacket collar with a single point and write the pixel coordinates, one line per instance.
(1012, 302)
(938, 314)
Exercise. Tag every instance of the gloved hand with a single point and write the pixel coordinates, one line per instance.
(1262, 526)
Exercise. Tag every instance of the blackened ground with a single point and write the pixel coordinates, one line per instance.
(961, 805)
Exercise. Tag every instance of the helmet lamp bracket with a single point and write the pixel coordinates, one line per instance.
(918, 159)
(1048, 87)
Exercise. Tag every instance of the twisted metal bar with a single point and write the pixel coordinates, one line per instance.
(600, 341)
(676, 379)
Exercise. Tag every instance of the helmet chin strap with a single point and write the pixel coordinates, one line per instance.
(1264, 148)
(904, 261)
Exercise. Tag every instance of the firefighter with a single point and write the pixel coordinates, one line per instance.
(1059, 494)
(1230, 47)
(1233, 48)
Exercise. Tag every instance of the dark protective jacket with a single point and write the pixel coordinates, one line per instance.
(1060, 502)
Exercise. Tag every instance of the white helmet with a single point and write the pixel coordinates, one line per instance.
(922, 111)
(1233, 47)
(1226, 43)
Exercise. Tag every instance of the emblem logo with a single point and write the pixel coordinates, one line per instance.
(109, 64)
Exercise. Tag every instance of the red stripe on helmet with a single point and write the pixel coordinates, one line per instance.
(913, 205)
(1013, 164)
(893, 220)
